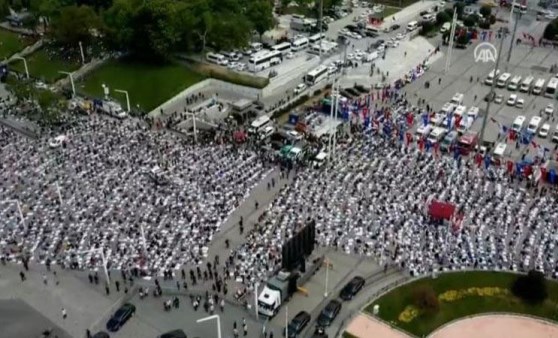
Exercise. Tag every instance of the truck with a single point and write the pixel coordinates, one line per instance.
(277, 290)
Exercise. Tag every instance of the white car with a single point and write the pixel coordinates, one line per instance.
(499, 98)
(520, 103)
(300, 88)
(549, 109)
(232, 65)
(58, 141)
(241, 66)
(381, 48)
(289, 55)
(512, 100)
(545, 129)
(350, 56)
(399, 36)
(357, 36)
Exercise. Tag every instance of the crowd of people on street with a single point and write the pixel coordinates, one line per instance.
(118, 191)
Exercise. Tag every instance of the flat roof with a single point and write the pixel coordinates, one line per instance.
(242, 104)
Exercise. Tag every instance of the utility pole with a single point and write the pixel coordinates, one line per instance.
(451, 38)
(333, 102)
(517, 17)
(320, 26)
(492, 87)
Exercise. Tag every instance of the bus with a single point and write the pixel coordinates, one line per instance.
(539, 85)
(316, 75)
(284, 47)
(526, 84)
(490, 79)
(259, 124)
(217, 58)
(299, 44)
(514, 83)
(411, 26)
(316, 37)
(551, 88)
(263, 60)
(503, 80)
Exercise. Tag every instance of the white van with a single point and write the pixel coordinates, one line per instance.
(499, 153)
(490, 79)
(534, 124)
(539, 85)
(256, 46)
(460, 110)
(437, 135)
(217, 58)
(448, 108)
(411, 26)
(514, 83)
(445, 27)
(457, 98)
(428, 18)
(423, 130)
(503, 80)
(555, 135)
(518, 123)
(526, 84)
(259, 124)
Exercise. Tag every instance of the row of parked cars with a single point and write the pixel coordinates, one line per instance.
(328, 313)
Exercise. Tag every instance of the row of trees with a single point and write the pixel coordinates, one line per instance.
(154, 28)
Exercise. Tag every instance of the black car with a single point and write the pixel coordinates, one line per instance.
(298, 323)
(378, 43)
(490, 97)
(352, 288)
(329, 313)
(394, 27)
(173, 334)
(120, 317)
(101, 334)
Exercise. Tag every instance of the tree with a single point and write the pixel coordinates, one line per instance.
(485, 11)
(259, 13)
(460, 6)
(4, 8)
(425, 299)
(442, 17)
(470, 20)
(531, 288)
(551, 30)
(75, 24)
(118, 21)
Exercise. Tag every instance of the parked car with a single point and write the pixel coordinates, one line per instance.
(297, 324)
(399, 36)
(101, 334)
(121, 316)
(173, 334)
(300, 88)
(520, 103)
(545, 129)
(329, 313)
(352, 288)
(289, 55)
(549, 109)
(512, 100)
(499, 98)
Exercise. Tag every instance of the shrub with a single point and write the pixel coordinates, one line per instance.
(425, 299)
(443, 17)
(531, 288)
(551, 30)
(486, 11)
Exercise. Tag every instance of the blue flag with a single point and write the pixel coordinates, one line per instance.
(425, 119)
(486, 161)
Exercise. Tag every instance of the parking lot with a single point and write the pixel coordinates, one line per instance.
(467, 77)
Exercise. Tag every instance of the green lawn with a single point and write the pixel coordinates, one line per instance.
(10, 43)
(389, 10)
(44, 67)
(393, 303)
(148, 85)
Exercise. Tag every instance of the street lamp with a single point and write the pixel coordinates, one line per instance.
(327, 277)
(24, 64)
(194, 123)
(59, 192)
(127, 97)
(106, 90)
(82, 54)
(71, 81)
(201, 320)
(103, 258)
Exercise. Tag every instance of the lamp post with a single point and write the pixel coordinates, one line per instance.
(82, 54)
(517, 18)
(127, 97)
(256, 299)
(103, 259)
(194, 123)
(333, 103)
(286, 320)
(451, 38)
(59, 192)
(24, 64)
(327, 277)
(71, 81)
(492, 87)
(106, 91)
(201, 320)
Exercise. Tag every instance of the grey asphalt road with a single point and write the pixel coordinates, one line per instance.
(18, 319)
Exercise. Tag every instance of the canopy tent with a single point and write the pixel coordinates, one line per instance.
(441, 210)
